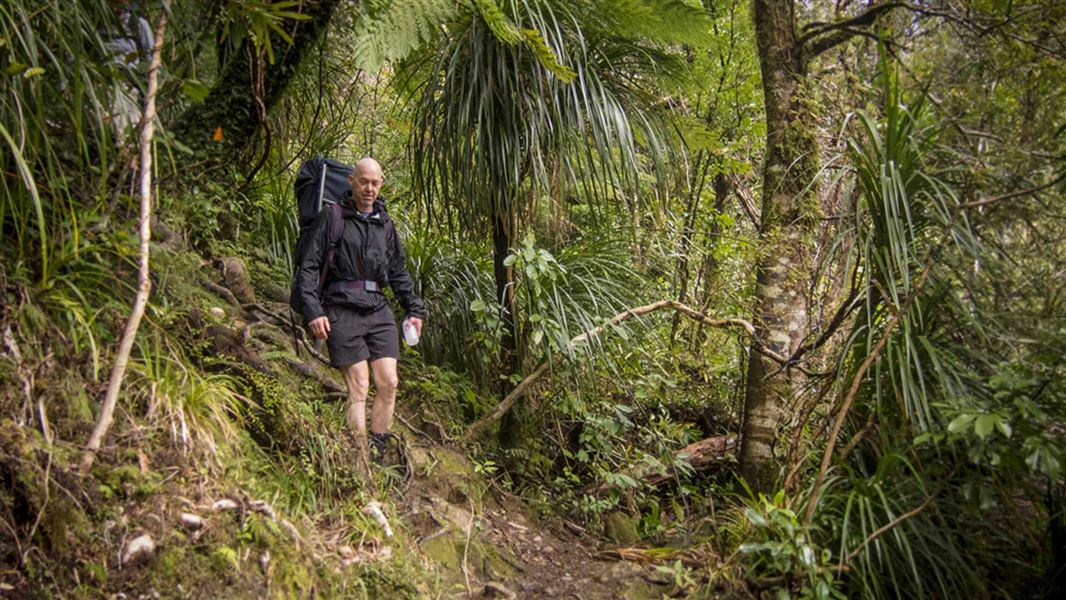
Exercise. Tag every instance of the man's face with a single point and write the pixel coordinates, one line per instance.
(366, 184)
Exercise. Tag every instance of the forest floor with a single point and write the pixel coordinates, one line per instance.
(215, 515)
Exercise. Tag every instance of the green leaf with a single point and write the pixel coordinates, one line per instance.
(984, 425)
(751, 547)
(756, 517)
(15, 68)
(510, 260)
(960, 423)
(1003, 426)
(477, 305)
(196, 90)
(32, 72)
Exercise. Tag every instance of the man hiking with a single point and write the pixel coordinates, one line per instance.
(350, 312)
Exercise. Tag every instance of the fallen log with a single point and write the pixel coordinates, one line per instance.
(704, 456)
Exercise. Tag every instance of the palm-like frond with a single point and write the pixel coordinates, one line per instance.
(904, 217)
(491, 114)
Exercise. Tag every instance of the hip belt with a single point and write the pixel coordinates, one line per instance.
(356, 284)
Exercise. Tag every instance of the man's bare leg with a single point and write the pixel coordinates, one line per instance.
(357, 376)
(385, 383)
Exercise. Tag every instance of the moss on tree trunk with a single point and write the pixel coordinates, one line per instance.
(789, 219)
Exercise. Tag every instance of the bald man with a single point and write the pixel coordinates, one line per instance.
(352, 314)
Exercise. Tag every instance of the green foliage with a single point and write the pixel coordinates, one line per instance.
(259, 21)
(456, 281)
(55, 123)
(200, 410)
(780, 546)
(571, 294)
(474, 152)
(944, 418)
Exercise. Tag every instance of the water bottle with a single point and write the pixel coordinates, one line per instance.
(410, 333)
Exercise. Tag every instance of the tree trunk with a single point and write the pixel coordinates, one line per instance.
(232, 104)
(502, 241)
(789, 219)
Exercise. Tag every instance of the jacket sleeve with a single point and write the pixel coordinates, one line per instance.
(400, 280)
(309, 257)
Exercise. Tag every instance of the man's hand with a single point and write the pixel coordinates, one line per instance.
(417, 323)
(320, 327)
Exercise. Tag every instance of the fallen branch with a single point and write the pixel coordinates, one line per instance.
(144, 288)
(522, 388)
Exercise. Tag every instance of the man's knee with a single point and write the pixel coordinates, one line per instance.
(358, 389)
(358, 381)
(385, 377)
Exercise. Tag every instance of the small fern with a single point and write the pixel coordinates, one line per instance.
(278, 354)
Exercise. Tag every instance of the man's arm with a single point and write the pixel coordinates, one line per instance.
(400, 280)
(309, 256)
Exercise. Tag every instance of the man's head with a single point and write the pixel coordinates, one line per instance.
(366, 183)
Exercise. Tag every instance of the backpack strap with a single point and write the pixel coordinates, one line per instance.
(336, 226)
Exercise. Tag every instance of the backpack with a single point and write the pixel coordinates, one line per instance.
(320, 184)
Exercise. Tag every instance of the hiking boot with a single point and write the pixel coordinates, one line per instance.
(379, 445)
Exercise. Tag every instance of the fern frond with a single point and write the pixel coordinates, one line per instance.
(501, 26)
(667, 21)
(536, 44)
(388, 31)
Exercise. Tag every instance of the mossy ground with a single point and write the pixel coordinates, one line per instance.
(211, 409)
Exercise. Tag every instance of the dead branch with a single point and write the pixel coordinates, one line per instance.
(841, 31)
(1016, 194)
(523, 387)
(144, 288)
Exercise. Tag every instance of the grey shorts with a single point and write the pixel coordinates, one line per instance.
(355, 337)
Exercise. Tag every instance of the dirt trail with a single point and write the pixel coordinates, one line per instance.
(506, 552)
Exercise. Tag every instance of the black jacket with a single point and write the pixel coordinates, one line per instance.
(369, 249)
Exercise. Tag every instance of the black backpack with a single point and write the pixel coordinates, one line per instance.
(320, 184)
